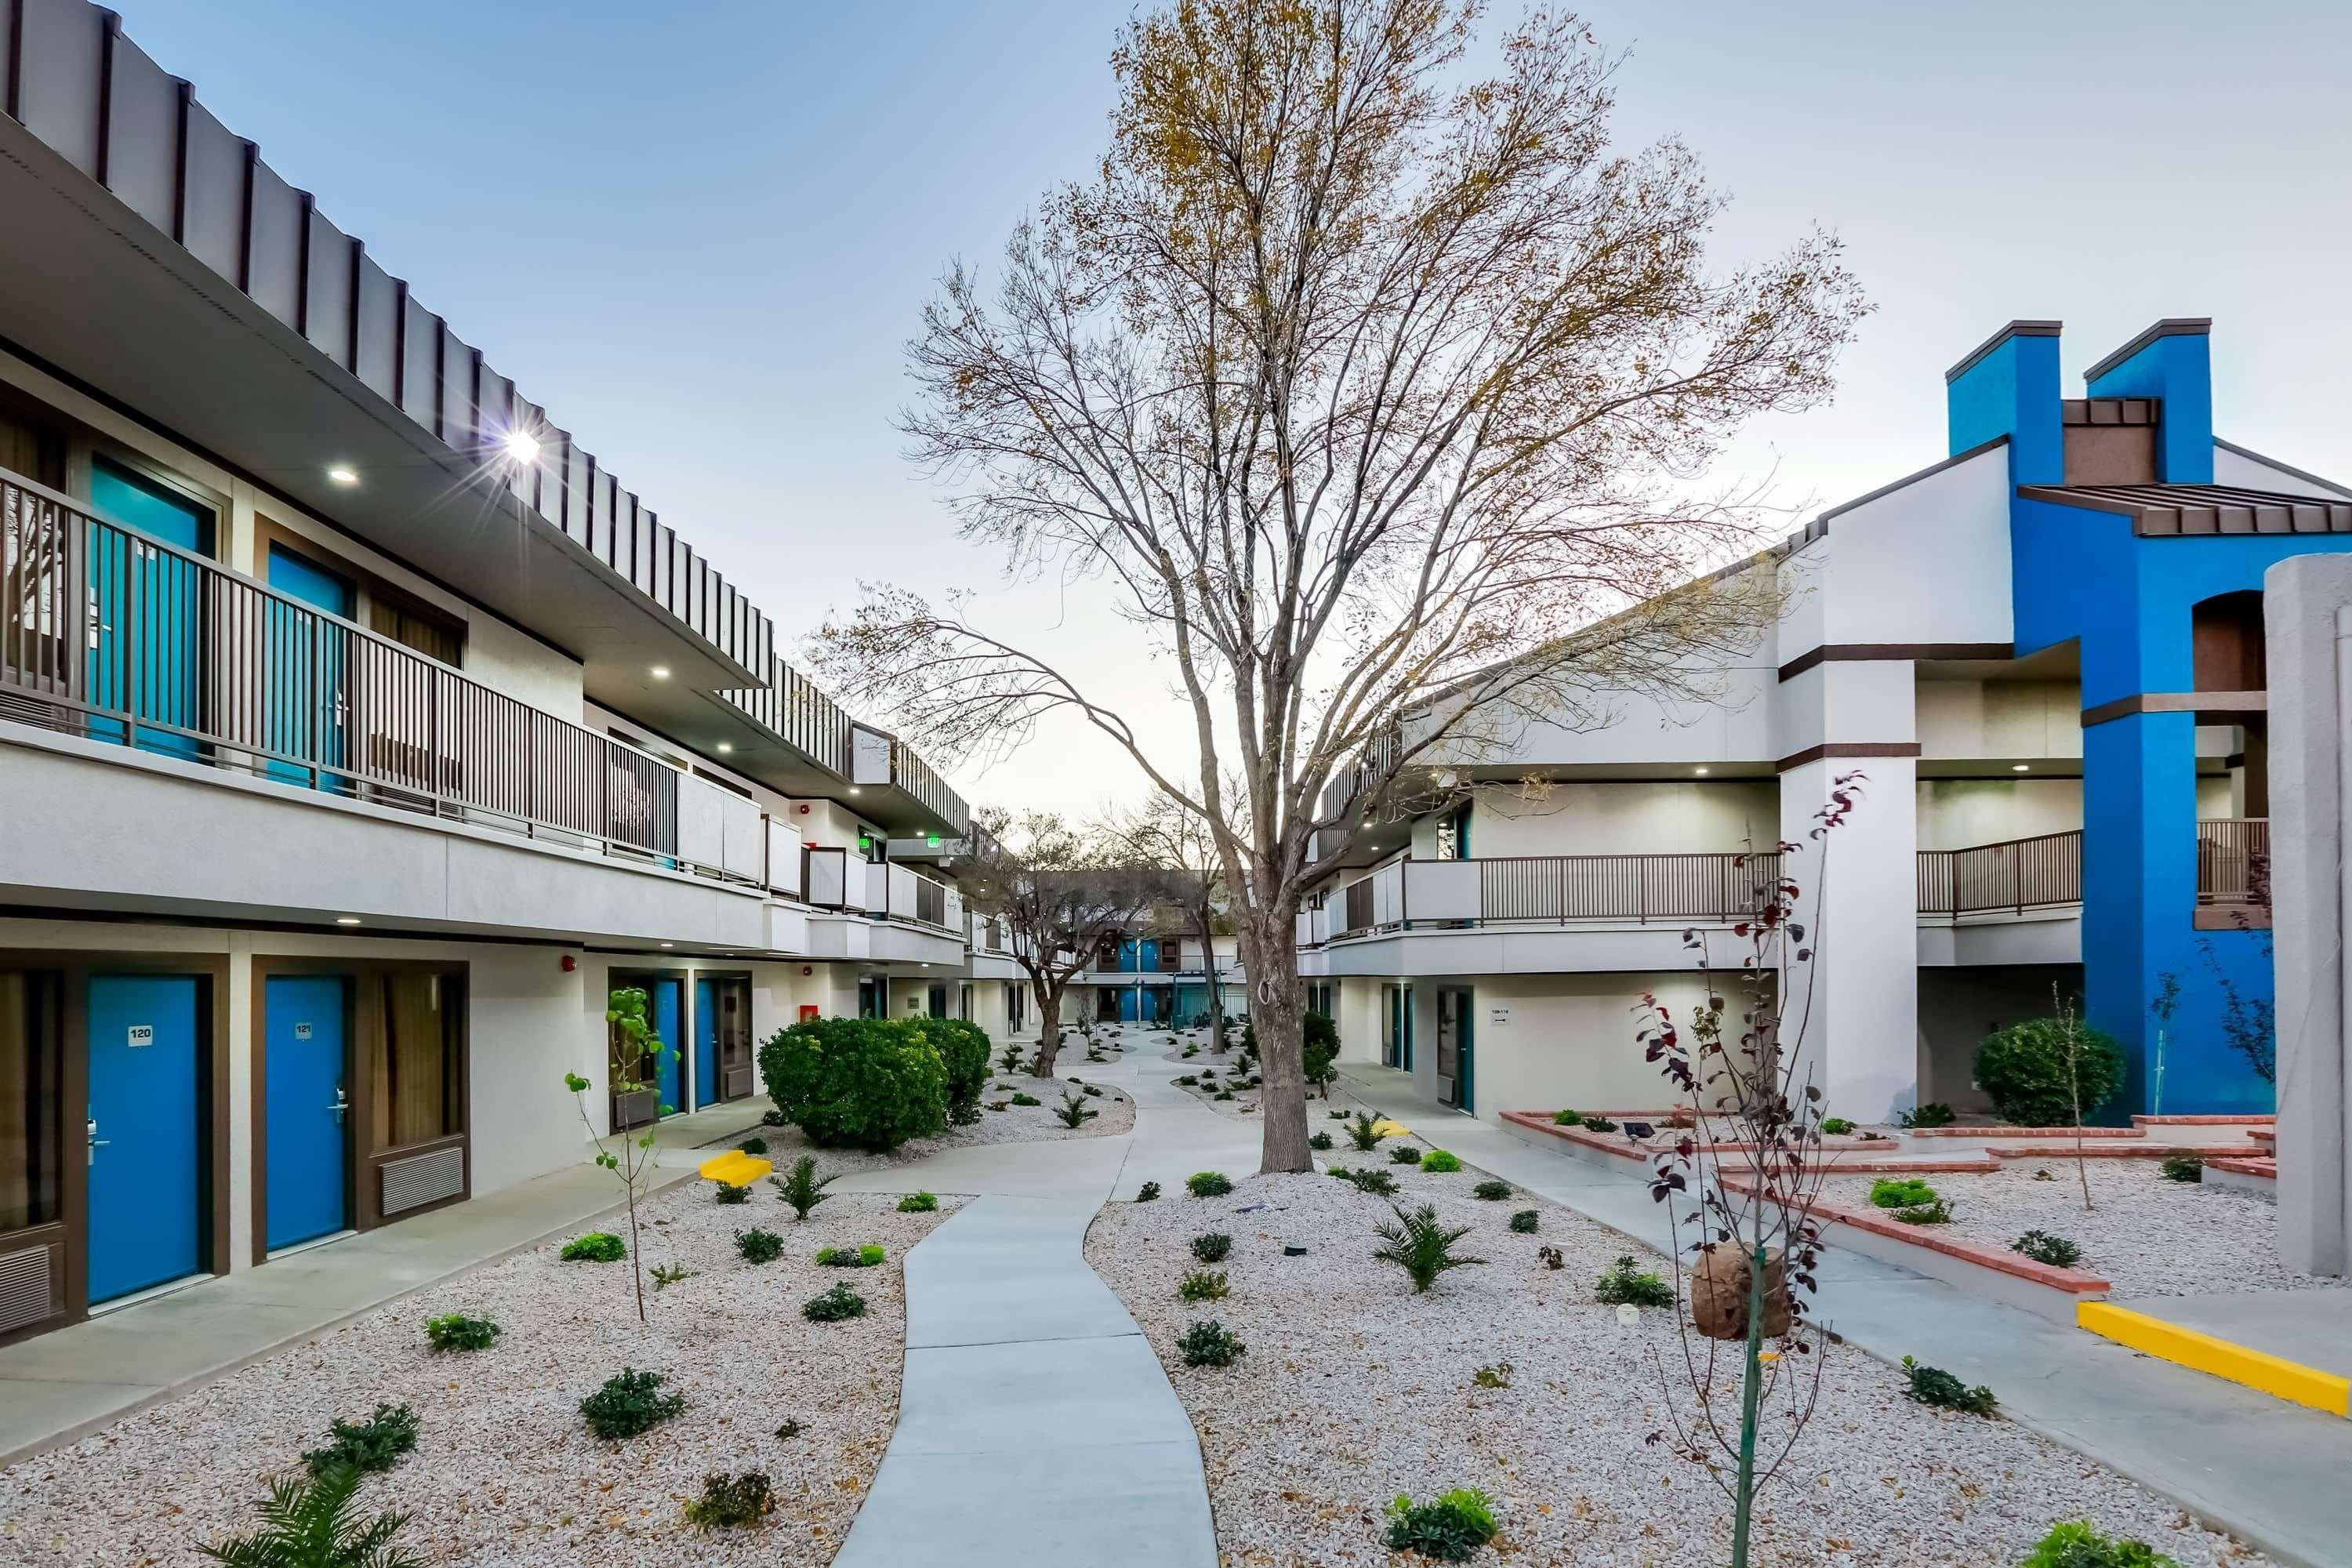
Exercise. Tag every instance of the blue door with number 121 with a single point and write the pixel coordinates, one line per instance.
(303, 1088)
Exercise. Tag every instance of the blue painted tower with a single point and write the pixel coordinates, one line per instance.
(2123, 545)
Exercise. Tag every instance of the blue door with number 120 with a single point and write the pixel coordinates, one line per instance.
(668, 997)
(145, 1107)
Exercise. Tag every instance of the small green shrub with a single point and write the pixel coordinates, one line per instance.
(1935, 1113)
(759, 1246)
(1933, 1386)
(1628, 1284)
(2077, 1544)
(1319, 1142)
(1524, 1221)
(1835, 1126)
(1492, 1191)
(374, 1444)
(849, 1257)
(2025, 1070)
(1417, 1244)
(1073, 1112)
(863, 1083)
(999, 1105)
(665, 1275)
(2044, 1247)
(835, 1304)
(1335, 1115)
(1210, 1345)
(1092, 1091)
(1900, 1192)
(1212, 1247)
(729, 1501)
(1405, 1155)
(918, 1202)
(311, 1525)
(457, 1331)
(629, 1405)
(1937, 1213)
(804, 1189)
(1377, 1182)
(728, 1192)
(752, 1146)
(772, 1117)
(788, 1431)
(1188, 1079)
(2182, 1168)
(1439, 1160)
(1201, 1285)
(1147, 1192)
(1451, 1528)
(596, 1247)
(1567, 1118)
(1497, 1375)
(1208, 1183)
(1225, 1094)
(963, 1053)
(1027, 1099)
(1598, 1124)
(1365, 1132)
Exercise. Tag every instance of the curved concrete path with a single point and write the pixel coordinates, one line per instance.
(1035, 1426)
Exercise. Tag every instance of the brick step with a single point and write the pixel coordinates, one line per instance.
(2003, 1129)
(2250, 1119)
(2121, 1152)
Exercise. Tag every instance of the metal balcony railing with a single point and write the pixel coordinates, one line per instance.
(2233, 862)
(1557, 889)
(2045, 871)
(836, 880)
(790, 706)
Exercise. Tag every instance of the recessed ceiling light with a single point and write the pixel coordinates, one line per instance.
(347, 919)
(342, 476)
(661, 672)
(2019, 768)
(1701, 772)
(725, 747)
(521, 448)
(669, 944)
(853, 789)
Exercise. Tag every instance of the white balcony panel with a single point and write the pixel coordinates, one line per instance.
(900, 894)
(2037, 936)
(788, 930)
(869, 756)
(745, 854)
(874, 897)
(701, 822)
(826, 877)
(1593, 949)
(783, 857)
(1441, 890)
(93, 825)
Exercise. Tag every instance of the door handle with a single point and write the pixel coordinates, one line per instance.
(96, 1143)
(341, 1104)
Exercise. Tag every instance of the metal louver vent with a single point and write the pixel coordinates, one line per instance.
(425, 1179)
(739, 1083)
(28, 1286)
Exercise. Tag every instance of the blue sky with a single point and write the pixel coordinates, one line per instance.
(699, 233)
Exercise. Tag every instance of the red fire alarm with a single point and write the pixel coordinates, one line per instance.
(808, 1011)
(804, 808)
(806, 969)
(569, 963)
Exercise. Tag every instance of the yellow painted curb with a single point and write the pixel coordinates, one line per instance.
(736, 1168)
(2274, 1375)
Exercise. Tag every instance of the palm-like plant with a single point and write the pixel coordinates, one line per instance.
(313, 1524)
(804, 1189)
(1417, 1244)
(1365, 1132)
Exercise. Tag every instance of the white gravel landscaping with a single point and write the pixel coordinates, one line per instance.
(2145, 1235)
(1039, 1123)
(1353, 1390)
(505, 1474)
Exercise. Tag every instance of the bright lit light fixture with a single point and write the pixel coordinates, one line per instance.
(669, 944)
(853, 789)
(725, 747)
(661, 672)
(1700, 773)
(2019, 768)
(347, 919)
(521, 448)
(342, 476)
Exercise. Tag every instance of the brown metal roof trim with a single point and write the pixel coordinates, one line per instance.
(2160, 511)
(2170, 326)
(2110, 410)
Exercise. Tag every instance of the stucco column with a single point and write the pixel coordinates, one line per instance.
(1857, 998)
(2307, 605)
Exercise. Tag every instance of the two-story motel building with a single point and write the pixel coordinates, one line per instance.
(2044, 654)
(359, 732)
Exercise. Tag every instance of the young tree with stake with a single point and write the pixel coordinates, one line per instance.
(1371, 393)
(637, 1052)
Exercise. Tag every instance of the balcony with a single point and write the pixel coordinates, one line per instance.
(839, 881)
(2012, 876)
(1554, 890)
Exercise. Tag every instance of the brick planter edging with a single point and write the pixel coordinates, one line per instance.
(2122, 1152)
(2073, 1281)
(1843, 1151)
(2002, 1130)
(2202, 1120)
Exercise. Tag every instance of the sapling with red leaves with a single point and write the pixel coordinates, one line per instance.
(1740, 1184)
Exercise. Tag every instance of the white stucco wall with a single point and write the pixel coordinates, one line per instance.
(2002, 720)
(1582, 818)
(1955, 813)
(1949, 528)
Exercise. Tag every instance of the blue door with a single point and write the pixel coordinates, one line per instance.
(148, 603)
(303, 1088)
(668, 998)
(303, 675)
(705, 1042)
(145, 1110)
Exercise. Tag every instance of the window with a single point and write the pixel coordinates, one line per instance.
(31, 445)
(32, 1059)
(1454, 834)
(411, 626)
(419, 1076)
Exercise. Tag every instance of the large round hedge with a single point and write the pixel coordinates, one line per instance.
(2023, 1068)
(963, 1048)
(866, 1083)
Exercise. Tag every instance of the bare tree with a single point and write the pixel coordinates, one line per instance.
(1166, 836)
(1374, 395)
(1060, 893)
(1753, 1160)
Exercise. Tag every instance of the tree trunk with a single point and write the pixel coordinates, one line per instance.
(1277, 1012)
(1216, 986)
(1049, 1030)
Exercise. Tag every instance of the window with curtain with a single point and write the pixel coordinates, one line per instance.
(419, 1078)
(411, 627)
(31, 1060)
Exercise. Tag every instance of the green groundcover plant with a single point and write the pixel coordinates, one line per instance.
(1450, 1528)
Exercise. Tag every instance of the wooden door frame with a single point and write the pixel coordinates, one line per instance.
(70, 1231)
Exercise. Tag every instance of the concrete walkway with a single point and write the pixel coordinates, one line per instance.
(2269, 1473)
(1035, 1426)
(61, 1386)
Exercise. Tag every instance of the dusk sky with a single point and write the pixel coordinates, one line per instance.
(699, 234)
